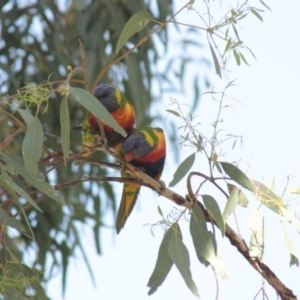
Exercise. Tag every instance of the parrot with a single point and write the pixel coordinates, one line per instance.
(119, 108)
(144, 149)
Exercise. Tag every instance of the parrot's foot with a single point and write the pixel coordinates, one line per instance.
(162, 186)
(123, 164)
(101, 142)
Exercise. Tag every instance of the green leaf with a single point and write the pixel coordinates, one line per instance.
(183, 169)
(235, 31)
(35, 283)
(256, 225)
(288, 244)
(237, 57)
(42, 186)
(65, 127)
(173, 112)
(180, 256)
(230, 204)
(256, 14)
(27, 117)
(203, 243)
(216, 62)
(163, 264)
(290, 218)
(18, 189)
(135, 24)
(228, 44)
(264, 4)
(32, 146)
(93, 105)
(8, 188)
(243, 201)
(266, 196)
(11, 221)
(243, 58)
(160, 211)
(214, 210)
(238, 176)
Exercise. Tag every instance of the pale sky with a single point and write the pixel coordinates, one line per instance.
(269, 121)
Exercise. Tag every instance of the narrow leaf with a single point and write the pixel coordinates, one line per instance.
(214, 210)
(163, 264)
(256, 14)
(18, 189)
(27, 117)
(183, 169)
(32, 146)
(267, 197)
(11, 221)
(93, 105)
(288, 244)
(237, 57)
(65, 127)
(230, 204)
(243, 58)
(42, 186)
(228, 44)
(180, 256)
(203, 241)
(242, 201)
(256, 225)
(238, 176)
(160, 211)
(290, 218)
(216, 62)
(35, 283)
(135, 24)
(235, 31)
(173, 112)
(264, 4)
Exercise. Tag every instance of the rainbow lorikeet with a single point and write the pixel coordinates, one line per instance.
(120, 109)
(145, 149)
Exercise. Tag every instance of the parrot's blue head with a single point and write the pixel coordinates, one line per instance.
(105, 93)
(136, 146)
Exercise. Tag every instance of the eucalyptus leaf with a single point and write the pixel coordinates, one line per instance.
(182, 169)
(256, 14)
(213, 208)
(11, 221)
(32, 146)
(290, 218)
(200, 235)
(163, 264)
(216, 62)
(256, 225)
(238, 176)
(35, 283)
(267, 197)
(65, 127)
(288, 244)
(27, 117)
(230, 204)
(18, 189)
(242, 199)
(180, 256)
(135, 24)
(93, 105)
(42, 186)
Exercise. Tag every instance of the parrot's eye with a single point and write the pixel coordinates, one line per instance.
(136, 145)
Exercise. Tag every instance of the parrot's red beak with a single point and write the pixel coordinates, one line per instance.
(129, 156)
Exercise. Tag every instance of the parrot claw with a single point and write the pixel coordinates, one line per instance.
(162, 185)
(101, 142)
